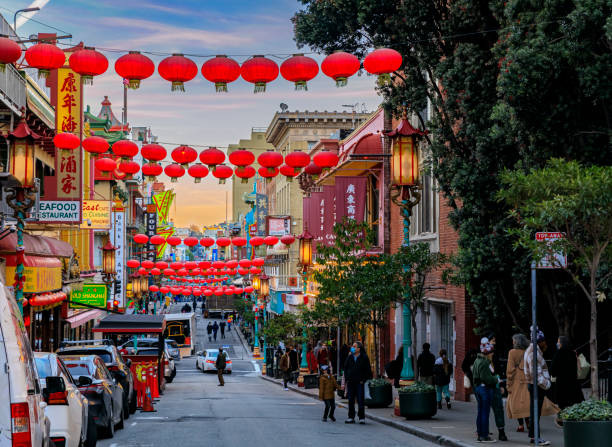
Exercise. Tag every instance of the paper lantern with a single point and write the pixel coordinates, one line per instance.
(248, 289)
(259, 70)
(198, 171)
(204, 264)
(10, 52)
(212, 157)
(155, 271)
(151, 171)
(88, 63)
(66, 141)
(141, 238)
(223, 242)
(173, 240)
(133, 263)
(106, 164)
(157, 240)
(222, 172)
(241, 157)
(129, 167)
(190, 265)
(297, 160)
(147, 264)
(164, 289)
(325, 159)
(207, 242)
(243, 271)
(256, 241)
(190, 242)
(218, 264)
(153, 152)
(153, 288)
(244, 263)
(289, 172)
(221, 70)
(245, 173)
(126, 149)
(45, 57)
(134, 67)
(174, 171)
(287, 239)
(382, 62)
(299, 69)
(177, 69)
(270, 240)
(270, 160)
(161, 264)
(258, 262)
(255, 270)
(168, 272)
(268, 173)
(184, 155)
(238, 242)
(340, 66)
(95, 145)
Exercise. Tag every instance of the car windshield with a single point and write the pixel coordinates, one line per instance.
(212, 354)
(43, 367)
(148, 351)
(104, 355)
(78, 369)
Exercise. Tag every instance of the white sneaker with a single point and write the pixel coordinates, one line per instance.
(543, 442)
(286, 389)
(362, 421)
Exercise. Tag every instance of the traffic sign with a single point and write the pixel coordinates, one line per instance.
(552, 260)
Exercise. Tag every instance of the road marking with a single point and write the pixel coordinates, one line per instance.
(113, 445)
(133, 423)
(256, 365)
(151, 417)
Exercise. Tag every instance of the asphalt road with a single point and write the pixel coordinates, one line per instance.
(248, 411)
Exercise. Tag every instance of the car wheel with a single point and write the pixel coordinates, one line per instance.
(109, 430)
(92, 435)
(126, 408)
(120, 425)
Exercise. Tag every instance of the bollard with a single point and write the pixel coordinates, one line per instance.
(609, 375)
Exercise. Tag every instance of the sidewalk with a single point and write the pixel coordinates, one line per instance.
(453, 428)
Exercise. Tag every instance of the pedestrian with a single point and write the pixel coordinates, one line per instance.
(357, 371)
(333, 356)
(517, 404)
(425, 364)
(344, 353)
(311, 359)
(443, 370)
(497, 403)
(542, 380)
(327, 388)
(466, 367)
(394, 367)
(564, 368)
(285, 366)
(317, 348)
(215, 328)
(220, 364)
(222, 327)
(323, 356)
(209, 330)
(294, 361)
(483, 383)
(229, 325)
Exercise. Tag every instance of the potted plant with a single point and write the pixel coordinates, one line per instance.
(381, 393)
(417, 401)
(587, 423)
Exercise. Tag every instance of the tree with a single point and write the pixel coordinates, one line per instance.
(286, 328)
(575, 200)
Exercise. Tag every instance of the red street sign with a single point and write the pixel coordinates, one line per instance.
(554, 260)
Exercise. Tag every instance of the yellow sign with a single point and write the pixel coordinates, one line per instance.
(162, 202)
(96, 214)
(40, 279)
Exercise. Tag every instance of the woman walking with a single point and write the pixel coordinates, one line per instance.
(517, 405)
(442, 371)
(565, 370)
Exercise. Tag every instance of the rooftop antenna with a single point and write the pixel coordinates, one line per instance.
(353, 109)
(284, 107)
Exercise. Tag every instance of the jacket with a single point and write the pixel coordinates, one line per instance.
(564, 368)
(425, 364)
(482, 372)
(327, 386)
(517, 405)
(543, 378)
(323, 357)
(357, 370)
(294, 360)
(441, 377)
(220, 362)
(284, 363)
(312, 361)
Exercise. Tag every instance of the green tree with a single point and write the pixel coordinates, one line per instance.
(285, 327)
(575, 200)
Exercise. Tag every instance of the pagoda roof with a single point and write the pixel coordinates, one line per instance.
(106, 112)
(405, 129)
(23, 130)
(111, 137)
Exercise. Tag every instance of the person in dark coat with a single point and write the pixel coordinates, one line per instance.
(565, 368)
(425, 364)
(394, 368)
(344, 352)
(222, 327)
(294, 362)
(357, 371)
(215, 329)
(443, 370)
(209, 330)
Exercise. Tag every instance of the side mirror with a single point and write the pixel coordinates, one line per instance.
(128, 362)
(84, 381)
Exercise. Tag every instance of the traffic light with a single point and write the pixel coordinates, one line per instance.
(117, 287)
(116, 305)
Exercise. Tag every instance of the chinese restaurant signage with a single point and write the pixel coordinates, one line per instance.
(96, 214)
(65, 211)
(42, 274)
(117, 238)
(151, 230)
(279, 226)
(92, 295)
(351, 197)
(261, 208)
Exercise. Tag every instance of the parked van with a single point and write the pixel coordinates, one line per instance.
(22, 407)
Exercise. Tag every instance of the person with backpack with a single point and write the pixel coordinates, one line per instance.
(285, 366)
(222, 327)
(220, 364)
(443, 370)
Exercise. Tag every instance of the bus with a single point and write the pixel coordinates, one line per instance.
(182, 329)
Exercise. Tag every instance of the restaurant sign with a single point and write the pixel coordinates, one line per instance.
(65, 211)
(42, 274)
(92, 295)
(96, 214)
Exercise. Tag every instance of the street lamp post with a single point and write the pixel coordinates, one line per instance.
(406, 195)
(257, 287)
(264, 291)
(305, 252)
(108, 265)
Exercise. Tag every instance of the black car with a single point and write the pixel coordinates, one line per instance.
(119, 368)
(104, 394)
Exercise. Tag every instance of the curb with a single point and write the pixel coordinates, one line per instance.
(441, 440)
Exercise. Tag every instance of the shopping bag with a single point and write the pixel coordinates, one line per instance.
(366, 390)
(584, 367)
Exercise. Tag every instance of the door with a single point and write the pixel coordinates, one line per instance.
(76, 412)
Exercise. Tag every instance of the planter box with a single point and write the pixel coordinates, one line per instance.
(381, 396)
(586, 433)
(418, 405)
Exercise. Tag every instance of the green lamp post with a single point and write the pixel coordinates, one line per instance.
(305, 251)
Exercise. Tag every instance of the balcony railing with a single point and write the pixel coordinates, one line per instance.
(12, 89)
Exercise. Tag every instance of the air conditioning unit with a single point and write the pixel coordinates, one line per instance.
(293, 281)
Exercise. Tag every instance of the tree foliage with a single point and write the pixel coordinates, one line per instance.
(286, 328)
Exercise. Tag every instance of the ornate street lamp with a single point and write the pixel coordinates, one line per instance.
(256, 283)
(305, 252)
(264, 285)
(108, 266)
(405, 194)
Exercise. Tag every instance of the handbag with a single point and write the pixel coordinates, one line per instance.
(584, 367)
(466, 382)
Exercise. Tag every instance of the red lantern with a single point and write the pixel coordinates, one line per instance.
(133, 263)
(340, 66)
(258, 262)
(129, 167)
(153, 288)
(243, 271)
(45, 57)
(289, 172)
(134, 67)
(106, 164)
(241, 157)
(245, 173)
(222, 172)
(157, 240)
(155, 272)
(212, 157)
(248, 289)
(221, 70)
(152, 170)
(270, 240)
(238, 242)
(178, 70)
(204, 264)
(141, 238)
(147, 264)
(10, 52)
(207, 242)
(325, 159)
(190, 265)
(173, 240)
(299, 69)
(244, 263)
(232, 264)
(184, 155)
(198, 171)
(161, 264)
(95, 145)
(268, 173)
(256, 241)
(164, 289)
(287, 239)
(190, 242)
(218, 292)
(88, 63)
(142, 271)
(177, 265)
(66, 141)
(382, 62)
(255, 270)
(229, 292)
(153, 152)
(174, 171)
(182, 272)
(270, 160)
(218, 264)
(259, 71)
(297, 160)
(125, 149)
(223, 242)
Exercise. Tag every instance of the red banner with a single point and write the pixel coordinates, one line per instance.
(329, 217)
(314, 225)
(351, 197)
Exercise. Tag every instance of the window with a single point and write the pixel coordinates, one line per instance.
(372, 206)
(43, 367)
(425, 214)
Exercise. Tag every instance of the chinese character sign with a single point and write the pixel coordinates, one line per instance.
(316, 217)
(262, 211)
(151, 230)
(329, 198)
(351, 197)
(117, 238)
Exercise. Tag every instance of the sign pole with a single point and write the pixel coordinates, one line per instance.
(534, 342)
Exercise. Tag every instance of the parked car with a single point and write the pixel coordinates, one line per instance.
(174, 350)
(67, 410)
(149, 346)
(22, 406)
(205, 360)
(104, 392)
(111, 356)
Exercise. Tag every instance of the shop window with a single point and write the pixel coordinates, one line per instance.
(425, 214)
(372, 206)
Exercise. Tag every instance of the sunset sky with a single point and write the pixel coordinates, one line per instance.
(198, 117)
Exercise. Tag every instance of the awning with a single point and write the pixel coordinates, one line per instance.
(37, 246)
(42, 274)
(131, 324)
(81, 318)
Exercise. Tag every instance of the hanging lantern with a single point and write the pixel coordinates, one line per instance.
(288, 239)
(133, 263)
(221, 70)
(245, 173)
(340, 66)
(108, 258)
(88, 63)
(289, 172)
(313, 169)
(125, 149)
(176, 265)
(190, 265)
(66, 141)
(164, 289)
(264, 288)
(299, 69)
(174, 171)
(238, 242)
(153, 288)
(259, 70)
(129, 167)
(212, 157)
(241, 158)
(155, 271)
(190, 242)
(141, 238)
(248, 289)
(256, 241)
(153, 152)
(147, 264)
(244, 263)
(152, 170)
(10, 52)
(134, 67)
(382, 62)
(222, 172)
(243, 271)
(204, 264)
(106, 164)
(218, 264)
(325, 159)
(173, 240)
(297, 160)
(95, 145)
(255, 271)
(178, 70)
(157, 240)
(206, 242)
(184, 155)
(305, 249)
(223, 242)
(270, 240)
(267, 173)
(258, 262)
(232, 264)
(405, 154)
(45, 57)
(270, 160)
(161, 264)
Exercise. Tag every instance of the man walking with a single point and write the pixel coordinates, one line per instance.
(294, 361)
(222, 327)
(425, 364)
(209, 330)
(357, 371)
(215, 328)
(220, 365)
(285, 366)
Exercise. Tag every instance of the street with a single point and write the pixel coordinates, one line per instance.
(194, 411)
